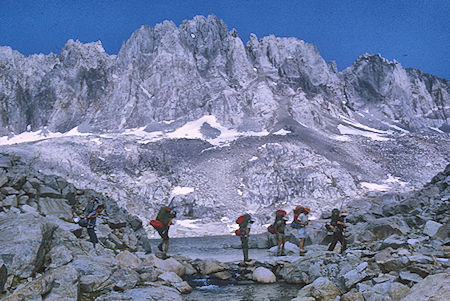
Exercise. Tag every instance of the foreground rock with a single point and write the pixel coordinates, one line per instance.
(264, 275)
(434, 287)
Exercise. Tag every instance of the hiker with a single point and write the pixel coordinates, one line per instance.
(280, 227)
(337, 226)
(91, 221)
(165, 216)
(90, 206)
(245, 221)
(300, 222)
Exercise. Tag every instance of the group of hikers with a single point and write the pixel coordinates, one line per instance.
(335, 228)
(166, 214)
(278, 228)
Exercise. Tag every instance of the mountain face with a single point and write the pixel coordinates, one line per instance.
(201, 68)
(191, 112)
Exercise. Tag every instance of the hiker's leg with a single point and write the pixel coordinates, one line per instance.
(92, 236)
(302, 243)
(244, 243)
(343, 243)
(166, 248)
(333, 242)
(279, 245)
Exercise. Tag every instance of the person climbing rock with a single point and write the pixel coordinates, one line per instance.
(165, 217)
(337, 226)
(300, 222)
(245, 221)
(91, 223)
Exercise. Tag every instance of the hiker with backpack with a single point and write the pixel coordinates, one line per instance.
(244, 221)
(91, 223)
(337, 226)
(90, 206)
(162, 224)
(280, 226)
(300, 222)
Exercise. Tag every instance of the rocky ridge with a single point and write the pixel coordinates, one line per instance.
(167, 73)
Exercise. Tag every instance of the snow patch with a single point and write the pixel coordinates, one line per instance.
(188, 223)
(345, 130)
(282, 132)
(374, 186)
(394, 180)
(39, 135)
(178, 190)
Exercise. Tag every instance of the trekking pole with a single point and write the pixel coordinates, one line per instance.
(171, 201)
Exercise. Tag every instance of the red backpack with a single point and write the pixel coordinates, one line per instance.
(158, 225)
(240, 219)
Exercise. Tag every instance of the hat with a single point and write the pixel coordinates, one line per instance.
(307, 209)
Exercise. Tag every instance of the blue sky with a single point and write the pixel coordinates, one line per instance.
(416, 33)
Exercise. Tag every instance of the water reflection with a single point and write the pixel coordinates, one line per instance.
(249, 292)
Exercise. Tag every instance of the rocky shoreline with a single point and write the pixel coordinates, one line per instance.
(399, 249)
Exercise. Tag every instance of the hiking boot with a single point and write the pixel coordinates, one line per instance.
(282, 253)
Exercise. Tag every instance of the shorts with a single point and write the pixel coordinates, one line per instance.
(302, 232)
(164, 233)
(281, 235)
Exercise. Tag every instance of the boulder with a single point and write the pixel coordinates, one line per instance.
(47, 191)
(397, 291)
(10, 201)
(8, 191)
(59, 256)
(322, 289)
(123, 279)
(65, 285)
(94, 272)
(394, 242)
(30, 290)
(264, 275)
(183, 287)
(25, 239)
(28, 209)
(307, 269)
(434, 287)
(3, 180)
(210, 266)
(388, 263)
(169, 277)
(172, 279)
(56, 207)
(168, 265)
(126, 259)
(381, 228)
(435, 230)
(353, 277)
(409, 278)
(223, 275)
(352, 296)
